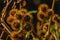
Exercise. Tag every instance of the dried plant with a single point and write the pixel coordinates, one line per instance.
(21, 26)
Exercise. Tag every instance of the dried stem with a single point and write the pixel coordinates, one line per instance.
(7, 37)
(6, 27)
(3, 15)
(5, 8)
(2, 33)
(53, 4)
(14, 6)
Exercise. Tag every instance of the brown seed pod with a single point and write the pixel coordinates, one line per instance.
(41, 16)
(13, 36)
(15, 25)
(16, 36)
(49, 13)
(43, 8)
(23, 11)
(27, 26)
(10, 19)
(28, 17)
(20, 14)
(13, 12)
(56, 18)
(45, 27)
(44, 30)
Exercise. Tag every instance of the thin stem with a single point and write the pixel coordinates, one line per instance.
(14, 6)
(33, 11)
(5, 8)
(5, 27)
(54, 36)
(7, 37)
(3, 15)
(53, 4)
(2, 34)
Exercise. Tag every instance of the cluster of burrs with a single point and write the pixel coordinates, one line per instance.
(48, 26)
(20, 20)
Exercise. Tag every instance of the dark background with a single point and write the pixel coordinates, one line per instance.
(31, 5)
